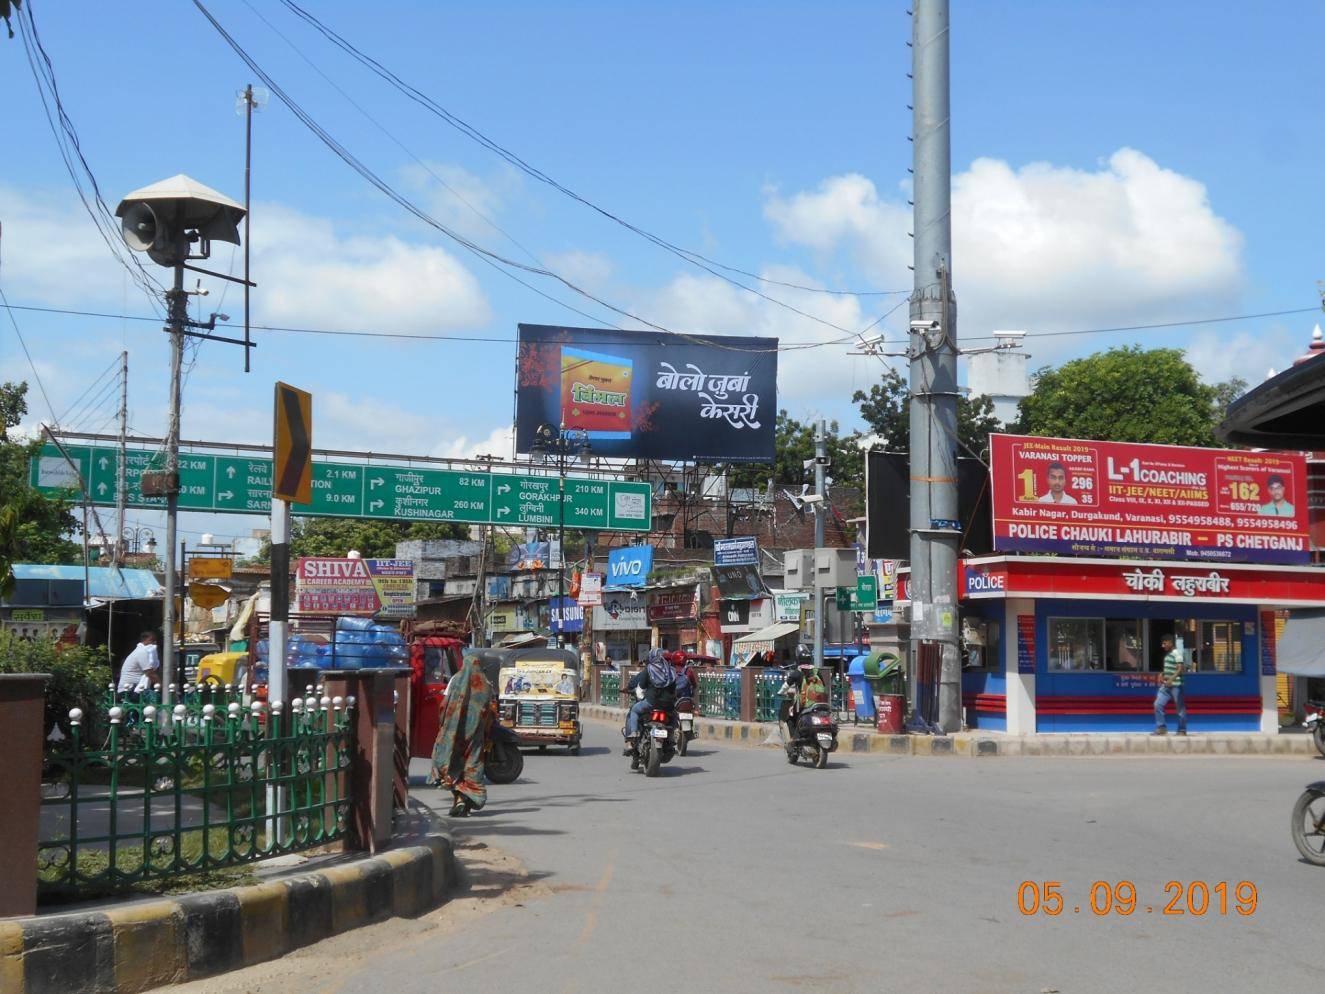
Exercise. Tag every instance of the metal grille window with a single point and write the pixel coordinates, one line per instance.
(1220, 648)
(1076, 644)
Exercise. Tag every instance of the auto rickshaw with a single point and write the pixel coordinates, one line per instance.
(539, 697)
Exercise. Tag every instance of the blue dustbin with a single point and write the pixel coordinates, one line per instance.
(861, 689)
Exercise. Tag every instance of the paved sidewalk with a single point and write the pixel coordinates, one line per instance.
(860, 738)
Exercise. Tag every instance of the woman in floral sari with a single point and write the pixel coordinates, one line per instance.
(457, 756)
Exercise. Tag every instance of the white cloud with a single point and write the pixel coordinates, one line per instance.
(51, 253)
(461, 200)
(589, 270)
(498, 443)
(1222, 355)
(311, 275)
(310, 272)
(811, 376)
(1043, 246)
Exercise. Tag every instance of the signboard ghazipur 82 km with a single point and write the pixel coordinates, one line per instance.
(242, 484)
(649, 395)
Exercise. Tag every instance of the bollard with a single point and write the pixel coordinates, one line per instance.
(22, 706)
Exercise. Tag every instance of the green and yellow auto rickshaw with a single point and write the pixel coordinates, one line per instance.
(539, 697)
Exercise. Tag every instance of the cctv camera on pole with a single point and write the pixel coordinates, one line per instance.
(174, 221)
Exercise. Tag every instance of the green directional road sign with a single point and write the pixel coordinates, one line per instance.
(242, 485)
(425, 494)
(864, 596)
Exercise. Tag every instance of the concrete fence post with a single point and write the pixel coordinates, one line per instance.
(381, 705)
(747, 693)
(22, 705)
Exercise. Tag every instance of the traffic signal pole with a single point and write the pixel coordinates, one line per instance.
(935, 531)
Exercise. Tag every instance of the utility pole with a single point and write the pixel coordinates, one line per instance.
(121, 496)
(177, 315)
(820, 508)
(935, 533)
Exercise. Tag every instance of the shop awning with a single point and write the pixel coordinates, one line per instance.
(1301, 648)
(771, 633)
(1285, 412)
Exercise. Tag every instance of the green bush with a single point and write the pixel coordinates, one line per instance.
(79, 675)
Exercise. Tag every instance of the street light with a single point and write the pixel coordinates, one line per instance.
(561, 442)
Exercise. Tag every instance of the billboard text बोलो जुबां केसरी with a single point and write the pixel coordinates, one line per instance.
(649, 395)
(1107, 499)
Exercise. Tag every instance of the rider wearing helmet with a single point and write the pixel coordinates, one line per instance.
(655, 686)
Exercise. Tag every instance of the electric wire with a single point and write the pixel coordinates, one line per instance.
(70, 148)
(113, 367)
(489, 257)
(688, 255)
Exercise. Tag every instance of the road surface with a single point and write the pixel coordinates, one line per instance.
(735, 872)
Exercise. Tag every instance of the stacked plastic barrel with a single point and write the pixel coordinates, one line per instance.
(357, 643)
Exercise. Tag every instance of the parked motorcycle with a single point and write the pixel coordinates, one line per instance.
(1308, 823)
(1314, 723)
(657, 742)
(685, 717)
(503, 762)
(815, 738)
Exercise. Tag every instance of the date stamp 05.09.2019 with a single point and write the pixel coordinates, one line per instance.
(1108, 898)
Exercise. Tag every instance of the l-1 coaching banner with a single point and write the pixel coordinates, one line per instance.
(645, 394)
(1088, 498)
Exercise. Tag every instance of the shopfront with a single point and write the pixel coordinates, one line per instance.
(1073, 645)
(674, 615)
(621, 624)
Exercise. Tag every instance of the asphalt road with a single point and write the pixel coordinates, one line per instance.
(734, 872)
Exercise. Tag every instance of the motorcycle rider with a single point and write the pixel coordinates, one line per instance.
(687, 683)
(655, 685)
(801, 689)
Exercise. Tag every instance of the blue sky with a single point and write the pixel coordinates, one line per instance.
(1115, 163)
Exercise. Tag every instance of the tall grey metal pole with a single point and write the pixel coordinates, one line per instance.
(820, 509)
(121, 493)
(177, 304)
(248, 210)
(933, 373)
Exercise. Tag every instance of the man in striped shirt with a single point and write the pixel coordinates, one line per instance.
(1170, 688)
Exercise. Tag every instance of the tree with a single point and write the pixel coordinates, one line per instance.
(1127, 394)
(793, 444)
(372, 539)
(886, 409)
(33, 527)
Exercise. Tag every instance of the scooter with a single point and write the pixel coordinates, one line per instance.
(815, 738)
(1314, 723)
(685, 716)
(656, 743)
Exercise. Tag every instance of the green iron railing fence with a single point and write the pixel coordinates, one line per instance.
(164, 798)
(719, 694)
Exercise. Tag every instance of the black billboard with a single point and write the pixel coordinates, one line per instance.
(888, 505)
(649, 395)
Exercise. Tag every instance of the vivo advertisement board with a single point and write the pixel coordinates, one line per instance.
(1119, 499)
(649, 395)
(629, 567)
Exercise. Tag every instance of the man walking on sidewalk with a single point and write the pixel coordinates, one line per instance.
(1170, 688)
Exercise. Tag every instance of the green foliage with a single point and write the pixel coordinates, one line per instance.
(886, 409)
(793, 445)
(32, 527)
(1127, 394)
(79, 675)
(373, 539)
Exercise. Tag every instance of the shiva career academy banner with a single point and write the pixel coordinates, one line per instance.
(325, 585)
(1109, 499)
(644, 394)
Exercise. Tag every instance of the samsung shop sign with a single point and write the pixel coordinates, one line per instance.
(629, 567)
(565, 615)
